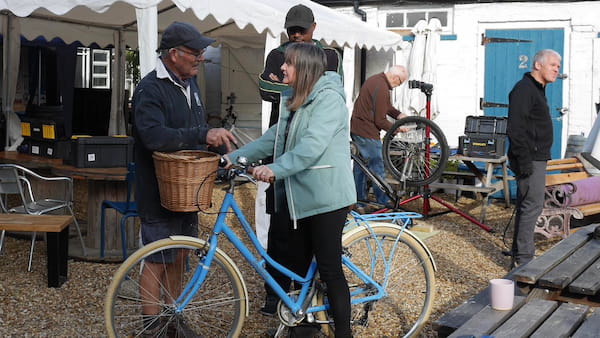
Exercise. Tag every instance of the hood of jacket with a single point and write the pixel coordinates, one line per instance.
(330, 80)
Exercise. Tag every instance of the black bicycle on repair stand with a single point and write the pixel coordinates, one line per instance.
(415, 152)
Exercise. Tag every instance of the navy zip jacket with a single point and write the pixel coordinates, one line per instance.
(163, 121)
(529, 125)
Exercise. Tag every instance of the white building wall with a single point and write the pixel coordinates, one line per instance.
(461, 61)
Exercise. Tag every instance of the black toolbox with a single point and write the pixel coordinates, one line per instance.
(101, 151)
(43, 128)
(485, 136)
(482, 146)
(487, 125)
(46, 148)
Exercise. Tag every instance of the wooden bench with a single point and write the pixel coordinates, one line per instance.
(565, 274)
(555, 219)
(56, 228)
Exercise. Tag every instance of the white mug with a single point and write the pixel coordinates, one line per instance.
(502, 294)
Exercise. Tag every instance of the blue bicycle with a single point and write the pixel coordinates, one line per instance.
(390, 273)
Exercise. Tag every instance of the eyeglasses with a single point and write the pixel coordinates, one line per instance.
(295, 30)
(195, 55)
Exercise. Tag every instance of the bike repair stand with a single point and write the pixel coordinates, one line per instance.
(426, 194)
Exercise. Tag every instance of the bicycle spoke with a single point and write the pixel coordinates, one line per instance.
(409, 282)
(216, 309)
(415, 151)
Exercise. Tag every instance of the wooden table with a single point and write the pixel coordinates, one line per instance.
(56, 228)
(537, 318)
(566, 274)
(569, 271)
(489, 184)
(102, 184)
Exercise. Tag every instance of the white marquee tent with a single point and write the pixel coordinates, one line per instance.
(133, 23)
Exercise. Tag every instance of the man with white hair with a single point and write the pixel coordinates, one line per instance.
(369, 117)
(530, 134)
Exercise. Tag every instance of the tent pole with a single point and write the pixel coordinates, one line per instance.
(5, 61)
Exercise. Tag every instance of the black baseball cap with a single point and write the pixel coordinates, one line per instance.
(183, 34)
(299, 16)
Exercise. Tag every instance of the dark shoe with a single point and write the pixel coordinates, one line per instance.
(180, 329)
(153, 327)
(359, 208)
(304, 330)
(270, 307)
(270, 333)
(515, 263)
(152, 333)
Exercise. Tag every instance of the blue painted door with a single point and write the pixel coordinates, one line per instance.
(508, 55)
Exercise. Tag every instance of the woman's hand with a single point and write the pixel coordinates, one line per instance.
(263, 173)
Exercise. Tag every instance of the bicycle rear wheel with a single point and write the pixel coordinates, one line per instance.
(415, 151)
(217, 309)
(410, 282)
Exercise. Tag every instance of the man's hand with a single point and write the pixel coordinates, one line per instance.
(274, 77)
(401, 129)
(218, 136)
(526, 171)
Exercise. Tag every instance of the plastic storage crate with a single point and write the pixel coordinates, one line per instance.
(101, 151)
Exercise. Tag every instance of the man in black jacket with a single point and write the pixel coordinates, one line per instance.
(300, 25)
(168, 116)
(530, 135)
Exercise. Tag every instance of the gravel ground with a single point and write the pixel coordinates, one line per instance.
(467, 258)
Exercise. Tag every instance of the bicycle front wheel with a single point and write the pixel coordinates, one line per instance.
(409, 282)
(415, 151)
(217, 309)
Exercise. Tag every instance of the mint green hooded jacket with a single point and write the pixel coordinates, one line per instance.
(314, 165)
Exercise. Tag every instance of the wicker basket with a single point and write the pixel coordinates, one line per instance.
(186, 179)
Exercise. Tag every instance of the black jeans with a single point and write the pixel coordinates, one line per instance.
(319, 236)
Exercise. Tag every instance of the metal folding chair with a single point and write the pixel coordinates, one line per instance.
(17, 181)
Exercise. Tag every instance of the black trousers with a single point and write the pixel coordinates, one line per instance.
(319, 236)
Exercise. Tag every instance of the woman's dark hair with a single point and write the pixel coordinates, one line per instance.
(309, 61)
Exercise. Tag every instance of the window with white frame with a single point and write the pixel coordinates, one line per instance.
(100, 68)
(404, 20)
(93, 68)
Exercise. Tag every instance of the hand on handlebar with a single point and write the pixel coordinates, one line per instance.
(263, 173)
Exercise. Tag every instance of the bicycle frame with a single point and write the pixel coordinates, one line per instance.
(377, 180)
(299, 305)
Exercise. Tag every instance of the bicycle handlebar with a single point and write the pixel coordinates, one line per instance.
(241, 169)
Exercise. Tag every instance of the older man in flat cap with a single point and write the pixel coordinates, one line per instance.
(168, 116)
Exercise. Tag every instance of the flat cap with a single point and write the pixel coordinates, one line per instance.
(183, 34)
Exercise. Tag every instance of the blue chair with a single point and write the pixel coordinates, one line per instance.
(127, 208)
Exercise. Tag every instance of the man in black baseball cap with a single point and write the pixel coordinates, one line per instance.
(168, 115)
(300, 16)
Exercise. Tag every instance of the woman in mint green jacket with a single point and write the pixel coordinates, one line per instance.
(311, 172)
